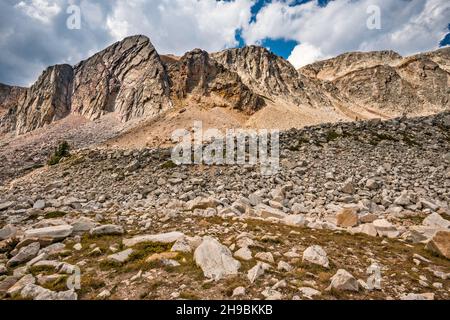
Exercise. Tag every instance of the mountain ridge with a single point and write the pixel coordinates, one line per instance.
(132, 80)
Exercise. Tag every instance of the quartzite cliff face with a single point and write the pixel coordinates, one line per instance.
(46, 101)
(127, 78)
(201, 78)
(271, 76)
(386, 84)
(131, 80)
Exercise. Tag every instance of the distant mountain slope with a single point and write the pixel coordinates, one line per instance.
(386, 83)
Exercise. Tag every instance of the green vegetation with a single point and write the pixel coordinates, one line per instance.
(144, 250)
(55, 214)
(60, 284)
(188, 295)
(89, 283)
(61, 151)
(168, 165)
(332, 135)
(42, 270)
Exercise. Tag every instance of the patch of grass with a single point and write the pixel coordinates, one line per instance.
(143, 250)
(332, 136)
(409, 140)
(32, 216)
(188, 295)
(55, 214)
(168, 165)
(35, 270)
(59, 284)
(207, 285)
(90, 283)
(187, 267)
(62, 151)
(102, 242)
(109, 264)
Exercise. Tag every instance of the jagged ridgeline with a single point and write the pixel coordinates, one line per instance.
(131, 80)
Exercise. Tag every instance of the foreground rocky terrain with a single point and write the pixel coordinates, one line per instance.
(358, 210)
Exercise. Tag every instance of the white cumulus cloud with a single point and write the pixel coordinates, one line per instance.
(304, 54)
(177, 26)
(34, 34)
(407, 26)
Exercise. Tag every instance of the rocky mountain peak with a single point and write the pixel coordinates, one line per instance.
(384, 84)
(273, 77)
(9, 96)
(127, 78)
(130, 80)
(348, 62)
(197, 76)
(46, 101)
(261, 70)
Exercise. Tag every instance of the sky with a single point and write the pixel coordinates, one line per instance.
(35, 34)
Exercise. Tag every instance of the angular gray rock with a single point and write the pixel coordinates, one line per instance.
(121, 257)
(55, 233)
(385, 228)
(170, 237)
(215, 259)
(7, 232)
(257, 271)
(107, 229)
(344, 281)
(35, 292)
(46, 101)
(25, 254)
(244, 254)
(434, 220)
(316, 255)
(83, 224)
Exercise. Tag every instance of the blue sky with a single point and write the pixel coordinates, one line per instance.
(281, 47)
(284, 47)
(34, 33)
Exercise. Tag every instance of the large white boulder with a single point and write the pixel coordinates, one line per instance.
(170, 237)
(434, 220)
(59, 232)
(215, 259)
